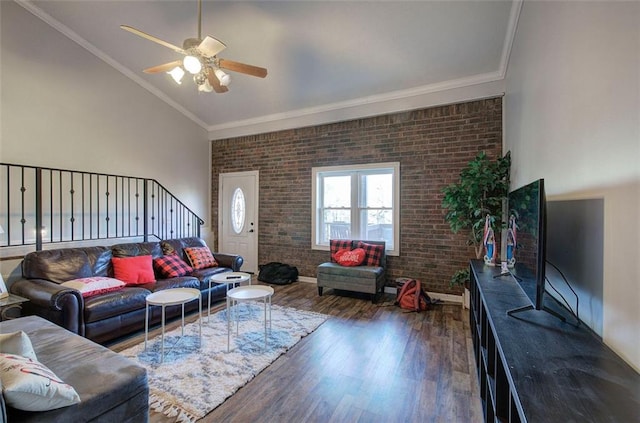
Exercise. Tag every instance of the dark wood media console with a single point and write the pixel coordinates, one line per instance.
(532, 367)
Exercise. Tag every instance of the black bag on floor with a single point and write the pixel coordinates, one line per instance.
(278, 273)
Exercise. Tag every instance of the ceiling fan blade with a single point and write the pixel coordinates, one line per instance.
(213, 81)
(152, 38)
(210, 46)
(243, 68)
(164, 67)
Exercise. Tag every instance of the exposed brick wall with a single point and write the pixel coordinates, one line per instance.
(432, 145)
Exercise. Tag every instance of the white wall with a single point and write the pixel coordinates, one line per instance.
(63, 107)
(572, 116)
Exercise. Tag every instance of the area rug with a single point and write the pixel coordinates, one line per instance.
(195, 377)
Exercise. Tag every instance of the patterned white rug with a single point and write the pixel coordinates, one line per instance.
(197, 377)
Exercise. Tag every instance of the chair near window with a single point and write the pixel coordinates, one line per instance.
(368, 279)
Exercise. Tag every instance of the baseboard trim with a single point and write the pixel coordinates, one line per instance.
(448, 298)
(307, 279)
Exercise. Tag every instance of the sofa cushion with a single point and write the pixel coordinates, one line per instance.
(134, 249)
(114, 303)
(65, 264)
(171, 266)
(338, 244)
(94, 285)
(29, 385)
(17, 343)
(200, 257)
(205, 274)
(180, 282)
(177, 246)
(374, 253)
(335, 270)
(133, 270)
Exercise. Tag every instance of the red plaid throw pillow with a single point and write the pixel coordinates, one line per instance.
(336, 245)
(171, 266)
(200, 257)
(373, 253)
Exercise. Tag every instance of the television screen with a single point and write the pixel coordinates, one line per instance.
(526, 240)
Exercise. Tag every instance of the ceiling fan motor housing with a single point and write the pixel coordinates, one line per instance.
(191, 43)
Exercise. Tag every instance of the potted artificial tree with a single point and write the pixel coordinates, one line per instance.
(476, 200)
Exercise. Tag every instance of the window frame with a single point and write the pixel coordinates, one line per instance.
(354, 170)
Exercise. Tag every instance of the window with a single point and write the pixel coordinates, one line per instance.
(238, 208)
(356, 202)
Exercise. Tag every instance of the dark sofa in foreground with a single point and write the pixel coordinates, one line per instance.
(112, 388)
(110, 315)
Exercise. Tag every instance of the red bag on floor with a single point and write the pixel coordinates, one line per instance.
(412, 297)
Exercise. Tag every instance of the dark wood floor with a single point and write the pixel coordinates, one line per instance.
(367, 363)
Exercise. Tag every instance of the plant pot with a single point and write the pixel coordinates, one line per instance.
(466, 298)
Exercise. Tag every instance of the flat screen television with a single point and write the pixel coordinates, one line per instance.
(526, 242)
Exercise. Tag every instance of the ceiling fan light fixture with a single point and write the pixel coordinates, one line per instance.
(192, 64)
(224, 78)
(205, 87)
(177, 73)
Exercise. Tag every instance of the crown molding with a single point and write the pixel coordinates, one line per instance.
(516, 7)
(465, 89)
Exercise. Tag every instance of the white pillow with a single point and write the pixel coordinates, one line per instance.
(94, 285)
(29, 385)
(17, 343)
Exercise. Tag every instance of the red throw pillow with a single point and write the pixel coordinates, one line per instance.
(336, 245)
(353, 257)
(133, 270)
(200, 257)
(171, 266)
(374, 253)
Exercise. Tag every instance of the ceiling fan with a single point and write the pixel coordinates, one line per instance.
(200, 60)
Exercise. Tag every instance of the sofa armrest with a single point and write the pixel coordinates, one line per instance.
(52, 301)
(232, 261)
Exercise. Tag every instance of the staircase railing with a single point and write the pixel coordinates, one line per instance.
(43, 205)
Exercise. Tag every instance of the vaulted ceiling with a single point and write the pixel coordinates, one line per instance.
(321, 55)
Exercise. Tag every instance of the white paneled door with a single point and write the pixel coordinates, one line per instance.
(238, 217)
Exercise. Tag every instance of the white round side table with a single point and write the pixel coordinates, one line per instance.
(248, 293)
(228, 278)
(169, 297)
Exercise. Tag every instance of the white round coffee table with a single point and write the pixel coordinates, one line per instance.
(228, 278)
(169, 297)
(244, 294)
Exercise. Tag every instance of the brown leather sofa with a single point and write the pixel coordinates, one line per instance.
(108, 316)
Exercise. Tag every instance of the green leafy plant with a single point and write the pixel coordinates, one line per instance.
(482, 187)
(461, 278)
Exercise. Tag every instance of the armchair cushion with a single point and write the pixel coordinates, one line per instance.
(373, 253)
(336, 245)
(347, 257)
